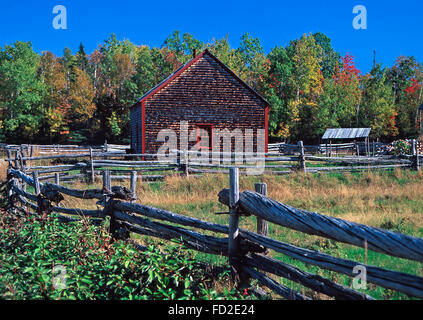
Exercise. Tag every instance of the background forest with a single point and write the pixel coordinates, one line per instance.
(85, 97)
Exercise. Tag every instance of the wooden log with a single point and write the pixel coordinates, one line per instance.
(73, 177)
(273, 285)
(222, 166)
(301, 157)
(387, 166)
(160, 214)
(146, 169)
(415, 152)
(409, 284)
(92, 166)
(23, 193)
(16, 160)
(312, 281)
(142, 177)
(262, 225)
(9, 156)
(112, 165)
(234, 251)
(194, 239)
(57, 168)
(83, 194)
(127, 162)
(384, 241)
(134, 185)
(27, 204)
(79, 212)
(360, 160)
(36, 183)
(107, 184)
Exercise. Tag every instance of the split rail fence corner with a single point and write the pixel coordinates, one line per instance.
(246, 250)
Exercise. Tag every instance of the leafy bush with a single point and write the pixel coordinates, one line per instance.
(401, 147)
(35, 254)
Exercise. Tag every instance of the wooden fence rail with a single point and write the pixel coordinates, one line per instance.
(384, 241)
(246, 249)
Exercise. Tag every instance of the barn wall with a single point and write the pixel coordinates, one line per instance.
(204, 93)
(136, 126)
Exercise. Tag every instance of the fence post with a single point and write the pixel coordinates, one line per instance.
(92, 165)
(9, 191)
(302, 156)
(36, 182)
(16, 160)
(133, 185)
(21, 155)
(184, 163)
(178, 159)
(415, 155)
(107, 184)
(234, 240)
(57, 178)
(262, 225)
(9, 156)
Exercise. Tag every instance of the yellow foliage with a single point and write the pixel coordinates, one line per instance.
(283, 131)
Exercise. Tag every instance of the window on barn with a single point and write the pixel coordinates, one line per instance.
(205, 136)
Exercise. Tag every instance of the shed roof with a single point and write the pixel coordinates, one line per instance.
(184, 67)
(346, 133)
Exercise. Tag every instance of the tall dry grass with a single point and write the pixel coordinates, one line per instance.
(368, 198)
(372, 198)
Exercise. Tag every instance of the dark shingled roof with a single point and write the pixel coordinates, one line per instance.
(346, 133)
(186, 66)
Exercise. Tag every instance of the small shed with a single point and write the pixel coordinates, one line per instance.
(355, 134)
(205, 94)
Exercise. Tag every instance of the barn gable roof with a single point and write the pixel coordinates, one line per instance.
(184, 67)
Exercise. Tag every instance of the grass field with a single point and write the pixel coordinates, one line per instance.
(390, 200)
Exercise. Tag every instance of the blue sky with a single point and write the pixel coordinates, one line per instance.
(393, 27)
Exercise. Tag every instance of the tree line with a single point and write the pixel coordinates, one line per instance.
(85, 98)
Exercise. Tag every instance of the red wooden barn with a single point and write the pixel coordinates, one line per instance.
(204, 93)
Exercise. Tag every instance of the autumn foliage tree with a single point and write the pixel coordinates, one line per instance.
(85, 97)
(340, 100)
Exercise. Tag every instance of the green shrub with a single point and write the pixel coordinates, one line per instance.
(35, 254)
(401, 147)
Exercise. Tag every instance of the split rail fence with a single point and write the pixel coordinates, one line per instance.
(89, 163)
(246, 249)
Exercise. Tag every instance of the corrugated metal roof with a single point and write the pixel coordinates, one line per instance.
(346, 133)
